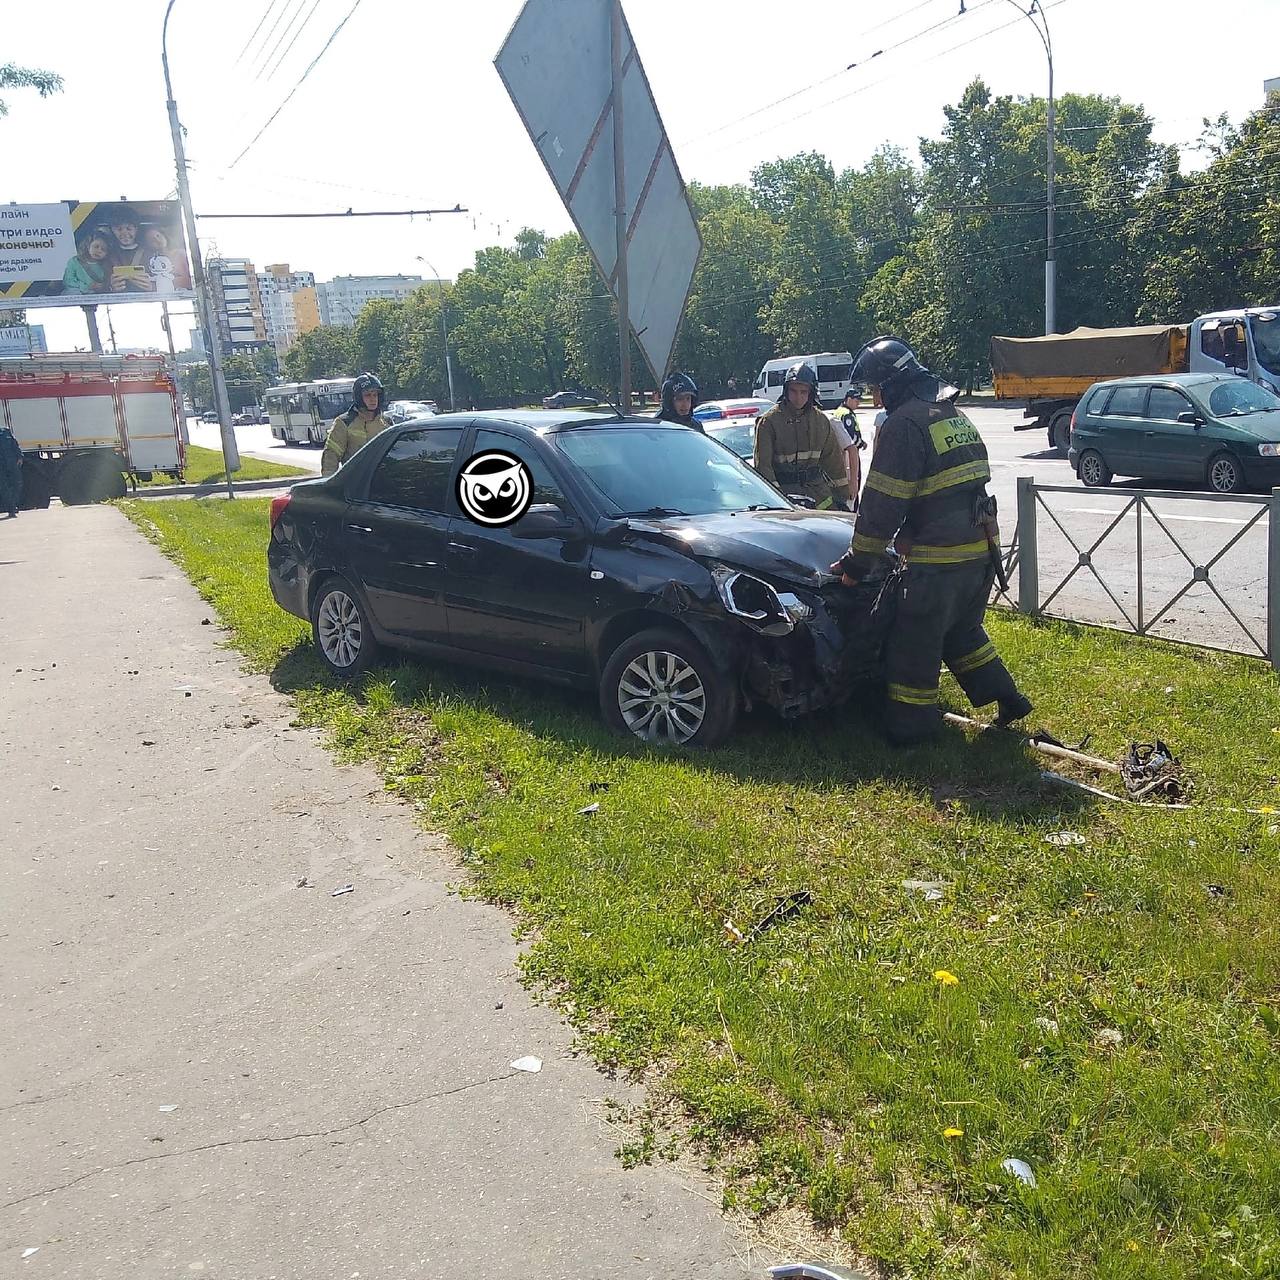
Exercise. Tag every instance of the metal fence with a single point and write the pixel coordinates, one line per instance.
(1038, 587)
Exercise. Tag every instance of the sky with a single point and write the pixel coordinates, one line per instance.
(405, 110)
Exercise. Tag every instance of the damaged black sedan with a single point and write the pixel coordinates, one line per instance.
(649, 564)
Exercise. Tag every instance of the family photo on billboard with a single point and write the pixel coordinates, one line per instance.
(117, 251)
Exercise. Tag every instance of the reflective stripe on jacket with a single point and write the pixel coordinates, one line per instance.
(930, 468)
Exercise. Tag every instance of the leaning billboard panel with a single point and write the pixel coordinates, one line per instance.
(74, 253)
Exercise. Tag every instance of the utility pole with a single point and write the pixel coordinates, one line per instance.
(204, 309)
(444, 331)
(91, 320)
(1050, 257)
(620, 213)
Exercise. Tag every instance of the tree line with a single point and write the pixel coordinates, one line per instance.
(945, 253)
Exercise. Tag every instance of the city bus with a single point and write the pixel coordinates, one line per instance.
(302, 412)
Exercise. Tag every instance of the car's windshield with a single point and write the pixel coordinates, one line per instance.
(1266, 340)
(1236, 397)
(740, 438)
(664, 471)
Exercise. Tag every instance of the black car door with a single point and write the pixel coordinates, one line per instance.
(517, 596)
(396, 536)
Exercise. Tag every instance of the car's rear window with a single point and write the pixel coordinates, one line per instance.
(415, 471)
(1127, 402)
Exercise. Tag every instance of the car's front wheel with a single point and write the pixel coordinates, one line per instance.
(661, 686)
(1094, 471)
(1225, 474)
(341, 629)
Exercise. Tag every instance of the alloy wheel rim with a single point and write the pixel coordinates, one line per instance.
(1223, 477)
(1092, 471)
(338, 623)
(662, 698)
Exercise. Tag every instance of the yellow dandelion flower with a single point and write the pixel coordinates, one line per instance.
(1131, 1245)
(953, 1133)
(946, 978)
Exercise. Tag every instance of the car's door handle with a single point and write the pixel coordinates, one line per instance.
(464, 549)
(359, 528)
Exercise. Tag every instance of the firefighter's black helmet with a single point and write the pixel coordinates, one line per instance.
(803, 372)
(368, 382)
(885, 360)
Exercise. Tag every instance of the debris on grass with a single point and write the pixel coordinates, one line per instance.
(1064, 838)
(1151, 769)
(1020, 1169)
(929, 890)
(588, 810)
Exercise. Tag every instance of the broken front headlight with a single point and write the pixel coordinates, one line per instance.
(760, 606)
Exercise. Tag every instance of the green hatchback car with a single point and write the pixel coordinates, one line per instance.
(1216, 430)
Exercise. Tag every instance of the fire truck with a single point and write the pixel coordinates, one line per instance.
(90, 425)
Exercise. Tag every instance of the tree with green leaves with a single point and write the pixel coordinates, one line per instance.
(13, 76)
(328, 351)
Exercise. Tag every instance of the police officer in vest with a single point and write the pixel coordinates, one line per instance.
(927, 493)
(796, 447)
(355, 428)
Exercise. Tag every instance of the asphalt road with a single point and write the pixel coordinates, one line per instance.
(1203, 528)
(211, 1065)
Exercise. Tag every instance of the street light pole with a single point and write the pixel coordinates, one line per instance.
(212, 339)
(1050, 257)
(444, 330)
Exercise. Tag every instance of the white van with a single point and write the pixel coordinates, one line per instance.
(834, 369)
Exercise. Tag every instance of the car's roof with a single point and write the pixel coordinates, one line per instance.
(543, 421)
(1169, 380)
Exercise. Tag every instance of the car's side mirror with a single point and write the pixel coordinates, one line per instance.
(1191, 419)
(546, 520)
(802, 500)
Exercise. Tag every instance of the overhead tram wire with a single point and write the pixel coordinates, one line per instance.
(827, 80)
(284, 35)
(344, 213)
(311, 66)
(289, 47)
(284, 7)
(943, 53)
(835, 75)
(266, 13)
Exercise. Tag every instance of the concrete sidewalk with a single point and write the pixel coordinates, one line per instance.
(211, 1071)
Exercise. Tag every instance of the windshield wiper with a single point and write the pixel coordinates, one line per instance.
(764, 506)
(658, 511)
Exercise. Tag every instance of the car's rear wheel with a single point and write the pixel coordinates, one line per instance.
(341, 629)
(1225, 474)
(1094, 471)
(662, 687)
(1060, 430)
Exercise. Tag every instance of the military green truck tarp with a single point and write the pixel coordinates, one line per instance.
(1093, 353)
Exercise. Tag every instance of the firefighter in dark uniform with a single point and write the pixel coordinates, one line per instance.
(927, 493)
(679, 399)
(796, 448)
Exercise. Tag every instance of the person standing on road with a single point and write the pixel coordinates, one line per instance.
(679, 399)
(355, 428)
(10, 473)
(927, 493)
(796, 444)
(852, 442)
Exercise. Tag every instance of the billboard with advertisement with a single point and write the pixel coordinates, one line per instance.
(73, 253)
(22, 340)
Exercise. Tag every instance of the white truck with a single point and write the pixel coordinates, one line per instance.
(89, 424)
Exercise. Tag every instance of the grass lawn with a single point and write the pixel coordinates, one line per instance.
(204, 466)
(1093, 1010)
